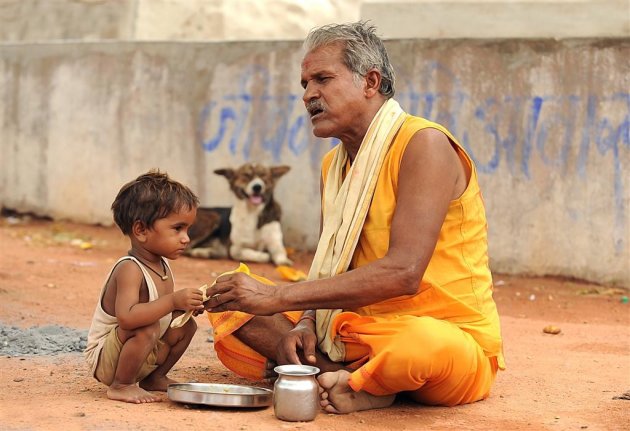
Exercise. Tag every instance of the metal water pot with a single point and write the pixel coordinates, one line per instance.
(296, 393)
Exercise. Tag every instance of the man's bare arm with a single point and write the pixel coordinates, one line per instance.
(431, 176)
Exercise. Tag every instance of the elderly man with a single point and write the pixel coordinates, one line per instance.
(399, 295)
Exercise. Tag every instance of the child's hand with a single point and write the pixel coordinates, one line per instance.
(188, 299)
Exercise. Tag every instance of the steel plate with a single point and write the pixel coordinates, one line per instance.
(214, 394)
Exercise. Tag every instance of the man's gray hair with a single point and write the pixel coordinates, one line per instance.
(363, 50)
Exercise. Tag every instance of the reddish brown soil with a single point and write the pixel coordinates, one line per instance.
(555, 382)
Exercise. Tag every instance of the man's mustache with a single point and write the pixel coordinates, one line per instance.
(314, 106)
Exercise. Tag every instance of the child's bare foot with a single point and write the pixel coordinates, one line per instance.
(336, 395)
(156, 383)
(131, 394)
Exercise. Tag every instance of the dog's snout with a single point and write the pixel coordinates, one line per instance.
(255, 191)
(256, 187)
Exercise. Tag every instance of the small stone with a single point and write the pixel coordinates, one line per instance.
(18, 379)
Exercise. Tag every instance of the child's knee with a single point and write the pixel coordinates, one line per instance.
(190, 327)
(149, 333)
(185, 332)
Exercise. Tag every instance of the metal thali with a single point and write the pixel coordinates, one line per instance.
(214, 394)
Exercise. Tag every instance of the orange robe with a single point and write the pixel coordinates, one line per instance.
(444, 343)
(232, 352)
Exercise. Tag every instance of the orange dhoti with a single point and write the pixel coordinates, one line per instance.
(433, 360)
(233, 353)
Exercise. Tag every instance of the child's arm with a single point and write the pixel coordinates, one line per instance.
(132, 313)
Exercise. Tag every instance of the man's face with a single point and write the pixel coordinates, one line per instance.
(332, 96)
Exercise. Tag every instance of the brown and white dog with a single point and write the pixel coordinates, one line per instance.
(248, 231)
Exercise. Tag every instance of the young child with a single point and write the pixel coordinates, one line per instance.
(130, 345)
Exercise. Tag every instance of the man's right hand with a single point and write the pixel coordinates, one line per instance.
(301, 337)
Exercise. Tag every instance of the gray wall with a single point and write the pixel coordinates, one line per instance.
(492, 19)
(547, 122)
(215, 20)
(238, 20)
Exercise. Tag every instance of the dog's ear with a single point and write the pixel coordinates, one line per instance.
(278, 171)
(226, 172)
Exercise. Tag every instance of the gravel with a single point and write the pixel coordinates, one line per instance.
(40, 340)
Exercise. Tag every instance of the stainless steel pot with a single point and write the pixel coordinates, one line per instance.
(296, 393)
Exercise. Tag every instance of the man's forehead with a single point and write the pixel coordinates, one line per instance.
(324, 57)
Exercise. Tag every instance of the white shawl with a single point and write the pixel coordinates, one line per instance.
(345, 204)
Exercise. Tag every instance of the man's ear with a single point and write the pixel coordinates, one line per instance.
(139, 230)
(372, 82)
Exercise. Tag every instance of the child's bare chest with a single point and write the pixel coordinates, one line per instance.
(162, 287)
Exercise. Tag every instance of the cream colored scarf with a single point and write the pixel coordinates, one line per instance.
(345, 204)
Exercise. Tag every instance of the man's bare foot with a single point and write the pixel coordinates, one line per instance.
(131, 394)
(156, 383)
(336, 395)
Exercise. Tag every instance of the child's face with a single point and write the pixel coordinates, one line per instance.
(169, 236)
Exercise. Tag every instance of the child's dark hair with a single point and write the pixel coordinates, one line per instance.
(150, 197)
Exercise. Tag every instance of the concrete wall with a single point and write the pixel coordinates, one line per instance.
(37, 20)
(221, 20)
(499, 19)
(207, 20)
(546, 121)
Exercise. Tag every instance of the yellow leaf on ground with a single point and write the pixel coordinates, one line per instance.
(550, 329)
(290, 274)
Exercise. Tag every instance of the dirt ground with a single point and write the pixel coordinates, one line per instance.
(51, 273)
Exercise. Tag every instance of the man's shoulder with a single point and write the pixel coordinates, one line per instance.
(413, 124)
(416, 123)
